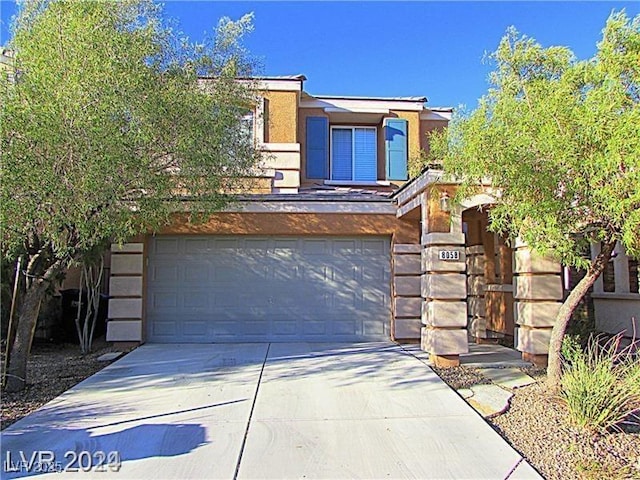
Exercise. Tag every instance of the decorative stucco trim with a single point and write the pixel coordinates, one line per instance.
(314, 207)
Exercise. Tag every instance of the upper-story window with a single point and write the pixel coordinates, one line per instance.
(342, 153)
(354, 153)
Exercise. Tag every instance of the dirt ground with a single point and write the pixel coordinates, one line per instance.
(538, 427)
(52, 369)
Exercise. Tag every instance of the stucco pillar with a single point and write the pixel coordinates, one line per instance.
(125, 293)
(475, 291)
(444, 289)
(407, 301)
(537, 286)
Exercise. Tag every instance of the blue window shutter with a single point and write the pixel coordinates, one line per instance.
(365, 158)
(395, 135)
(342, 154)
(317, 147)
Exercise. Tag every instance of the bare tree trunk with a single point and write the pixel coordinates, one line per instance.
(90, 281)
(27, 319)
(554, 369)
(38, 275)
(95, 301)
(10, 330)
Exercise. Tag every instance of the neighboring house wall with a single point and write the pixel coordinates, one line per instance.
(617, 301)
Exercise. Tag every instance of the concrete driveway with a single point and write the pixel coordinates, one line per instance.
(368, 410)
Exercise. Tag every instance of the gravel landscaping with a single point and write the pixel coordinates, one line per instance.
(52, 369)
(538, 427)
(535, 425)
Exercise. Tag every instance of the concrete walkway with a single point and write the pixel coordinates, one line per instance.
(371, 410)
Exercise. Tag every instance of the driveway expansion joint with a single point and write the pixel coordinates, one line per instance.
(253, 406)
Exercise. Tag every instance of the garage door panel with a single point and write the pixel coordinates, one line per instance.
(196, 246)
(345, 247)
(164, 328)
(315, 247)
(161, 273)
(195, 328)
(160, 300)
(196, 272)
(165, 246)
(207, 288)
(196, 300)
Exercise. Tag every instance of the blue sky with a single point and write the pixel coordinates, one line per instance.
(432, 49)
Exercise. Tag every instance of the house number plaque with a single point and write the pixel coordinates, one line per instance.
(449, 255)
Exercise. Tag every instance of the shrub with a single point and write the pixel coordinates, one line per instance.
(600, 383)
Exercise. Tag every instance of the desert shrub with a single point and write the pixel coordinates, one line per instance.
(600, 382)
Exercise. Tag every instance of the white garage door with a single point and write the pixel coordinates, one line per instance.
(252, 289)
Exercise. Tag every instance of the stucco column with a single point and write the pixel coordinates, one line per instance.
(444, 289)
(407, 301)
(537, 285)
(475, 291)
(125, 293)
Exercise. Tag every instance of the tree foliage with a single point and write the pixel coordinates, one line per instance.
(108, 128)
(559, 140)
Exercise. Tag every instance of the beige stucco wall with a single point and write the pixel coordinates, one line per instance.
(427, 126)
(281, 112)
(338, 224)
(618, 313)
(413, 130)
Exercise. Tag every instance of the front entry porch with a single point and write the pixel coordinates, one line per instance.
(476, 287)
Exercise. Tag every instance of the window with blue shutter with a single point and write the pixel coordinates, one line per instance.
(342, 154)
(395, 136)
(354, 154)
(317, 147)
(365, 157)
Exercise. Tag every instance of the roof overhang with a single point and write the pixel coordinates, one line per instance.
(379, 106)
(442, 115)
(273, 204)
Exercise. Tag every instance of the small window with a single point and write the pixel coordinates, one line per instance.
(247, 126)
(354, 154)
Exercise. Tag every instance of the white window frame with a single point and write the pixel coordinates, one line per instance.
(248, 122)
(256, 115)
(353, 149)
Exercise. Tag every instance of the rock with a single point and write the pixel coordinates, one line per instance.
(489, 400)
(109, 357)
(465, 393)
(508, 377)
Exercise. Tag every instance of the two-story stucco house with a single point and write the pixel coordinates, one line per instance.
(335, 244)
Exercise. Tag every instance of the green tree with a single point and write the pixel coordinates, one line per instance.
(107, 129)
(560, 140)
